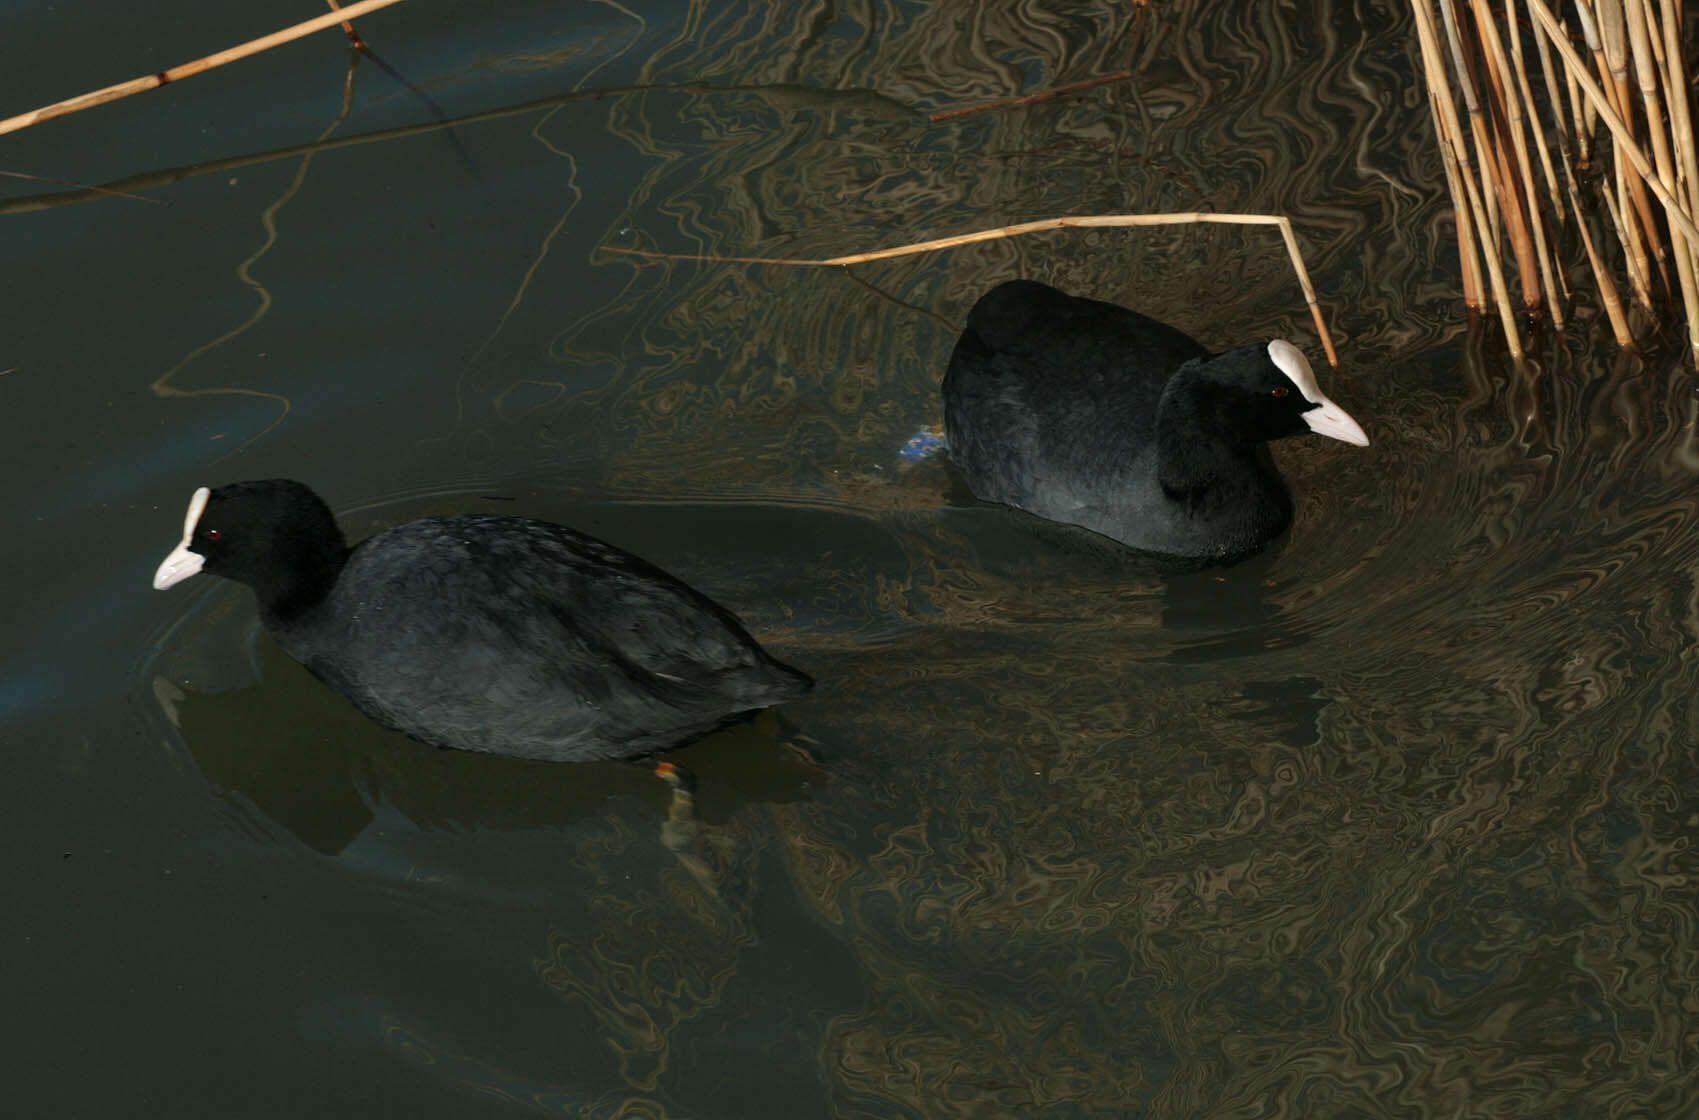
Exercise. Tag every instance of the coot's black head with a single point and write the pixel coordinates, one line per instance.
(276, 536)
(1258, 393)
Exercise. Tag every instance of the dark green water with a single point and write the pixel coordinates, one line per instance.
(1393, 820)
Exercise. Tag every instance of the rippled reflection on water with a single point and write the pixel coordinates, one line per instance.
(1392, 820)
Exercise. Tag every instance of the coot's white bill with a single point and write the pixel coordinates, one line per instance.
(181, 563)
(1329, 419)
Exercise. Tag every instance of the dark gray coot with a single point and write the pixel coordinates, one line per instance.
(500, 634)
(1089, 413)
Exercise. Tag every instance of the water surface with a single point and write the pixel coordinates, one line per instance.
(1391, 820)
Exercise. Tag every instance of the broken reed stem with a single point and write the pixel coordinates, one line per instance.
(1090, 221)
(189, 69)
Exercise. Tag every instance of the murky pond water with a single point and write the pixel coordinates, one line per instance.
(1391, 820)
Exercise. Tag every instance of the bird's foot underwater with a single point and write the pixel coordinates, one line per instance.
(681, 827)
(682, 831)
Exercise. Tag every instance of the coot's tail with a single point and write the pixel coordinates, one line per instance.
(784, 683)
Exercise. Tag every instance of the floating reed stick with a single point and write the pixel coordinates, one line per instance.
(189, 69)
(1629, 75)
(348, 27)
(1090, 221)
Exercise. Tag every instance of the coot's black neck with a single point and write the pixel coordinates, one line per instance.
(1201, 477)
(1206, 465)
(297, 577)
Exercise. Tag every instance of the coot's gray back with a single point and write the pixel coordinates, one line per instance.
(1050, 399)
(525, 638)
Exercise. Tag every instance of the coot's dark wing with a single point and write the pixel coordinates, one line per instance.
(527, 638)
(1050, 400)
(1080, 338)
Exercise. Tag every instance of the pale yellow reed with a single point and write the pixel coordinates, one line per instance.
(189, 69)
(1090, 221)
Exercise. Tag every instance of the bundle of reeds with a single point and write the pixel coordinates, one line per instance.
(1636, 86)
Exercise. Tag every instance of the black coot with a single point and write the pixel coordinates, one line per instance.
(499, 634)
(1085, 412)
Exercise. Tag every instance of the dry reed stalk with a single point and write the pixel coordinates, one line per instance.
(1614, 32)
(1527, 91)
(1634, 74)
(1558, 105)
(1602, 30)
(1090, 221)
(1478, 131)
(1649, 16)
(1526, 213)
(1647, 70)
(1679, 121)
(189, 69)
(1620, 131)
(1582, 114)
(1634, 263)
(1590, 35)
(1473, 295)
(1601, 271)
(1624, 214)
(1679, 220)
(1681, 117)
(1439, 91)
(1433, 63)
(1608, 294)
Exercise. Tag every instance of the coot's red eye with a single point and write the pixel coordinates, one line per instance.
(1280, 390)
(214, 534)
